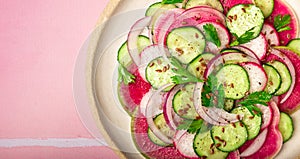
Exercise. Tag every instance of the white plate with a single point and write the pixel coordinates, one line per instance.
(95, 83)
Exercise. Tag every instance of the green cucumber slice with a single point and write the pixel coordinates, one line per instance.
(213, 3)
(153, 8)
(274, 79)
(204, 146)
(183, 102)
(286, 126)
(123, 56)
(159, 73)
(266, 6)
(235, 81)
(161, 123)
(229, 50)
(245, 17)
(230, 137)
(295, 45)
(252, 123)
(286, 78)
(198, 66)
(228, 105)
(186, 43)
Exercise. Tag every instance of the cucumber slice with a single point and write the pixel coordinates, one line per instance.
(244, 17)
(266, 6)
(274, 79)
(252, 123)
(229, 50)
(295, 45)
(186, 43)
(159, 73)
(286, 126)
(213, 3)
(153, 8)
(162, 125)
(123, 56)
(228, 105)
(198, 66)
(235, 81)
(183, 102)
(230, 137)
(286, 78)
(205, 147)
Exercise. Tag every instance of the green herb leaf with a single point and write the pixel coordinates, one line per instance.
(246, 37)
(261, 97)
(171, 1)
(192, 126)
(211, 34)
(213, 94)
(182, 75)
(281, 22)
(124, 75)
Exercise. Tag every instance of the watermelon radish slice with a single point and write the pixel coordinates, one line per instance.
(282, 8)
(234, 155)
(257, 76)
(293, 102)
(256, 144)
(222, 34)
(274, 141)
(227, 4)
(271, 34)
(184, 144)
(139, 128)
(266, 115)
(258, 45)
(245, 50)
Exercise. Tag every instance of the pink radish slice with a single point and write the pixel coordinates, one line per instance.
(171, 117)
(271, 34)
(222, 34)
(258, 45)
(246, 51)
(256, 144)
(134, 32)
(232, 57)
(184, 144)
(274, 141)
(285, 59)
(201, 110)
(163, 23)
(257, 76)
(234, 155)
(148, 54)
(227, 4)
(153, 108)
(266, 115)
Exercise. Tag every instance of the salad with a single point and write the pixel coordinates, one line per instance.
(211, 78)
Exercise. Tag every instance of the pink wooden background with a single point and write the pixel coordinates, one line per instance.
(39, 42)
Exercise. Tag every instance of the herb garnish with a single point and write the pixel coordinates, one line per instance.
(192, 126)
(261, 97)
(213, 94)
(182, 75)
(124, 75)
(171, 1)
(246, 37)
(281, 22)
(211, 34)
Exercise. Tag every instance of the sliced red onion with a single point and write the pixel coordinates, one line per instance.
(290, 66)
(148, 54)
(156, 102)
(266, 115)
(135, 31)
(202, 111)
(246, 51)
(256, 144)
(228, 117)
(168, 109)
(184, 144)
(144, 101)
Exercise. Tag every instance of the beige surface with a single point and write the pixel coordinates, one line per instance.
(111, 120)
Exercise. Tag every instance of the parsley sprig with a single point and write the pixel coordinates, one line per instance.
(281, 22)
(211, 34)
(192, 126)
(249, 102)
(213, 94)
(125, 76)
(246, 37)
(171, 1)
(182, 75)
